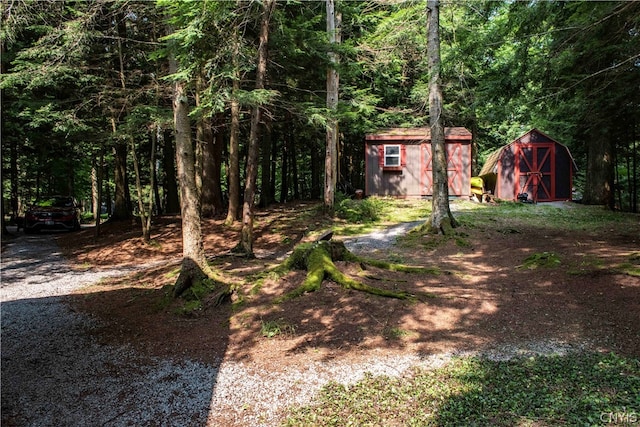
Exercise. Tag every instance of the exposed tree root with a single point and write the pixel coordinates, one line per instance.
(196, 284)
(318, 259)
(444, 226)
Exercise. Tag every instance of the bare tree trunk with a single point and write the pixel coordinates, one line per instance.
(146, 232)
(293, 156)
(246, 235)
(157, 137)
(634, 143)
(152, 184)
(598, 189)
(13, 174)
(331, 156)
(98, 197)
(210, 170)
(234, 145)
(441, 218)
(284, 177)
(194, 263)
(121, 209)
(95, 199)
(172, 200)
(266, 195)
(107, 190)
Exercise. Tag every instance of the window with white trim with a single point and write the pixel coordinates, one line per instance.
(391, 155)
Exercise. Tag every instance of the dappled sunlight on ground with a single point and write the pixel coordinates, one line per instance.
(483, 297)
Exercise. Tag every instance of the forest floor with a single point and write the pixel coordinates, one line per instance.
(485, 295)
(504, 282)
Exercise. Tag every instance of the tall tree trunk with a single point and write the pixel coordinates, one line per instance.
(98, 196)
(95, 188)
(3, 223)
(211, 162)
(194, 263)
(266, 196)
(145, 212)
(152, 182)
(107, 190)
(598, 189)
(284, 176)
(13, 175)
(293, 156)
(246, 235)
(634, 149)
(331, 156)
(172, 201)
(441, 218)
(233, 173)
(274, 160)
(122, 202)
(122, 208)
(216, 165)
(157, 137)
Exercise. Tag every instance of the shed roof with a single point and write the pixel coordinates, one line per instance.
(491, 164)
(421, 133)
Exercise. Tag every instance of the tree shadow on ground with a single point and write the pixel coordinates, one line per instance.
(61, 367)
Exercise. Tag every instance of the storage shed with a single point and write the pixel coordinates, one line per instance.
(534, 164)
(398, 162)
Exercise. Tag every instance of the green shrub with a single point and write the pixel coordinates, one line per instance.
(359, 211)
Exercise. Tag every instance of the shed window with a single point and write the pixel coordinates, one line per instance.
(391, 155)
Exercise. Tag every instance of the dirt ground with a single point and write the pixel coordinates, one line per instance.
(483, 298)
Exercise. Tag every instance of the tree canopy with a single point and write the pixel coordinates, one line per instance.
(81, 80)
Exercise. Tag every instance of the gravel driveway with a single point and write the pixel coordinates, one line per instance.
(55, 374)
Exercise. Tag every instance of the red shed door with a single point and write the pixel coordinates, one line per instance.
(455, 169)
(535, 171)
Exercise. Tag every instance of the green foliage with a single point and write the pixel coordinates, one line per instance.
(553, 390)
(359, 211)
(563, 67)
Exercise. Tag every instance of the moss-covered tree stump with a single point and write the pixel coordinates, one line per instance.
(319, 258)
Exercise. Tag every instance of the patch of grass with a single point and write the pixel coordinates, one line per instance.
(514, 216)
(588, 264)
(273, 328)
(461, 240)
(554, 390)
(540, 260)
(629, 269)
(363, 216)
(632, 266)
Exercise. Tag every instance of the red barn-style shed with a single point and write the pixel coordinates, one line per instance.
(398, 162)
(534, 164)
